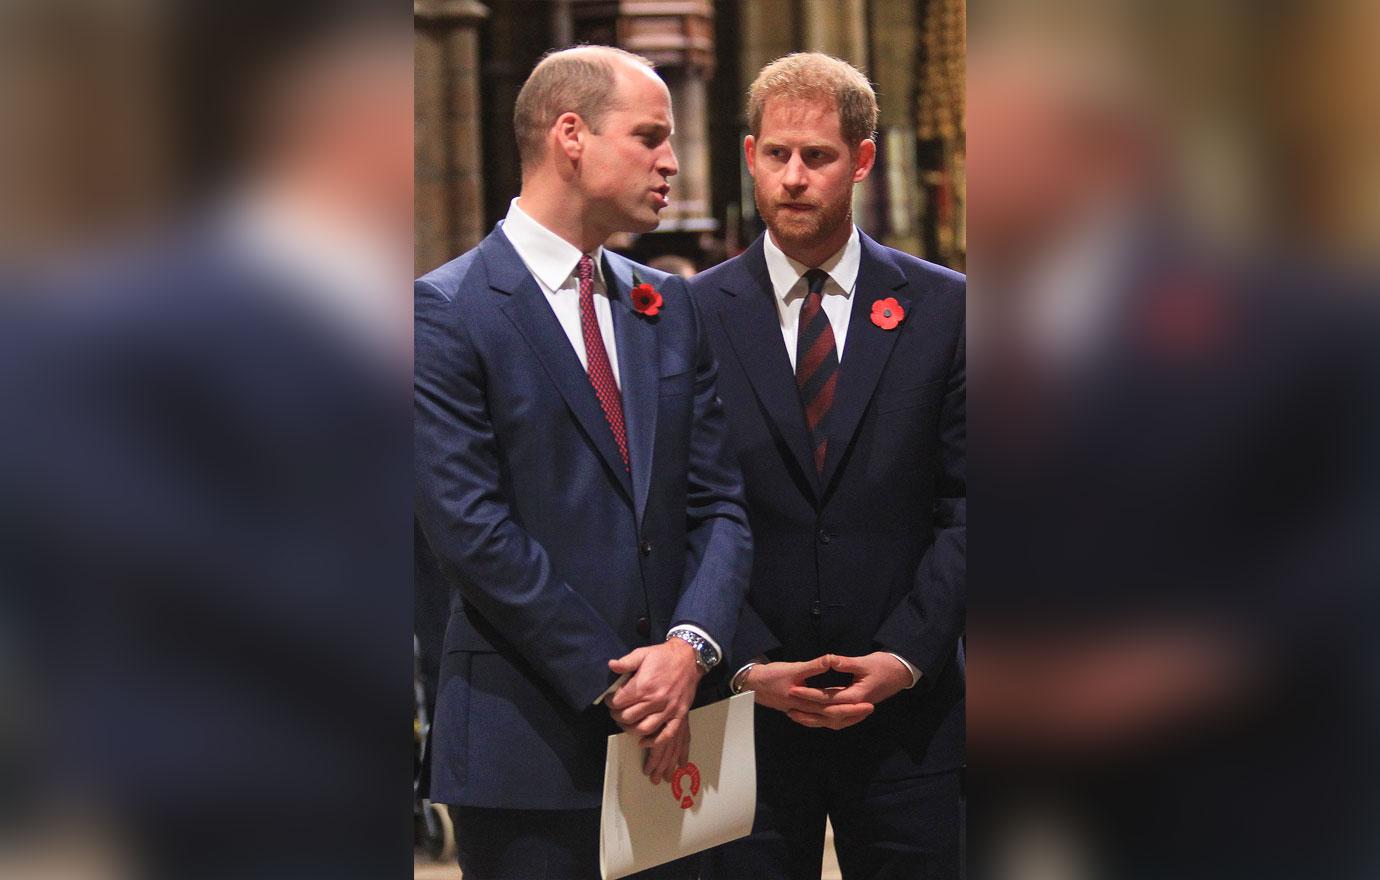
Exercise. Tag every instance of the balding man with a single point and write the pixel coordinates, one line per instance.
(574, 486)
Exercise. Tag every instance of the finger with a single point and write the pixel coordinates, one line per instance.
(657, 762)
(846, 664)
(662, 736)
(683, 756)
(813, 695)
(629, 693)
(848, 722)
(627, 696)
(856, 693)
(655, 759)
(650, 725)
(806, 719)
(847, 715)
(805, 707)
(669, 749)
(810, 668)
(629, 661)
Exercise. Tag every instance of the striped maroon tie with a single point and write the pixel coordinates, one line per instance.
(816, 365)
(597, 358)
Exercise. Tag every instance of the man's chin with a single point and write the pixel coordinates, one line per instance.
(644, 223)
(794, 230)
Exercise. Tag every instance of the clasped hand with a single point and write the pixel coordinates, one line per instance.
(653, 703)
(876, 677)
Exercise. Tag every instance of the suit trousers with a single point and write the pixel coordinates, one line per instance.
(887, 826)
(501, 844)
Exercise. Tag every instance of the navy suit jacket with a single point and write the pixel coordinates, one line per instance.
(870, 555)
(558, 559)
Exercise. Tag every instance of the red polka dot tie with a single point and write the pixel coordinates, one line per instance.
(597, 358)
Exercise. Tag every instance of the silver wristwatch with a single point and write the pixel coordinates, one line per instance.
(706, 658)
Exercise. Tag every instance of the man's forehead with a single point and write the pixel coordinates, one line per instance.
(647, 102)
(640, 84)
(796, 120)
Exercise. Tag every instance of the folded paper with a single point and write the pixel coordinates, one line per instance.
(710, 801)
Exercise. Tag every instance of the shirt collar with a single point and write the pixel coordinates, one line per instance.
(786, 273)
(547, 256)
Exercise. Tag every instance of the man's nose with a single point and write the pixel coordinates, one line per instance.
(794, 176)
(666, 163)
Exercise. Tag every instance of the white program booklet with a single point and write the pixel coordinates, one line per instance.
(711, 800)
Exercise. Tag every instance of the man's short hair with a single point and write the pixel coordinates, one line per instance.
(581, 79)
(814, 76)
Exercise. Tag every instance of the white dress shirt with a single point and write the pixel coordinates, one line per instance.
(788, 282)
(554, 262)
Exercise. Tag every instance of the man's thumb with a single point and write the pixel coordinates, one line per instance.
(628, 662)
(845, 664)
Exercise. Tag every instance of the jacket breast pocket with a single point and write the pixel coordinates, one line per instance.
(679, 384)
(924, 394)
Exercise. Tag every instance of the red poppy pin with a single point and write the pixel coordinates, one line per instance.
(646, 299)
(887, 313)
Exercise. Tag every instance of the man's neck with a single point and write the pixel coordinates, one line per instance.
(561, 213)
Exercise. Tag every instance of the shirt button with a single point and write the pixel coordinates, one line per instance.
(644, 627)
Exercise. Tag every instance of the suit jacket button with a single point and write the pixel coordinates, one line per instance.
(646, 548)
(815, 610)
(825, 537)
(644, 627)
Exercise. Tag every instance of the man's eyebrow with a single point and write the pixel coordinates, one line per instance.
(823, 146)
(653, 128)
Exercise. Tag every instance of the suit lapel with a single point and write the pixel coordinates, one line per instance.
(865, 351)
(753, 326)
(639, 371)
(529, 311)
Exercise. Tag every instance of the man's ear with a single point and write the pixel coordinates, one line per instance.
(867, 155)
(750, 154)
(569, 130)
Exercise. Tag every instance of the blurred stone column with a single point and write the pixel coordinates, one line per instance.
(897, 185)
(449, 203)
(839, 28)
(942, 139)
(770, 30)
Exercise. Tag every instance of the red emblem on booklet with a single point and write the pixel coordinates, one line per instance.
(887, 313)
(686, 801)
(646, 300)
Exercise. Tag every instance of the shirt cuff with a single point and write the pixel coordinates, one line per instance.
(699, 632)
(911, 667)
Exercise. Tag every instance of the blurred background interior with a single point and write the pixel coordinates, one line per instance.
(1170, 216)
(472, 58)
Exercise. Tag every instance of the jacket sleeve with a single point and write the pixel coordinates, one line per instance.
(719, 542)
(499, 568)
(926, 625)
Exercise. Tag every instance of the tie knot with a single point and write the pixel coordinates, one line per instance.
(586, 268)
(815, 278)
